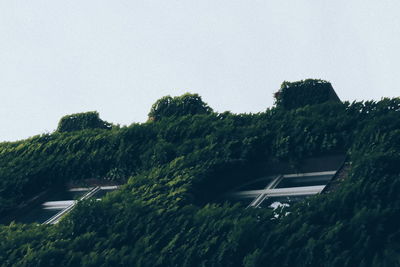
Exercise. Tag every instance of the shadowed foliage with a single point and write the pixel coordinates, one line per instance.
(308, 92)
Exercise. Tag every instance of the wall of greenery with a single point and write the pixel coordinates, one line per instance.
(176, 166)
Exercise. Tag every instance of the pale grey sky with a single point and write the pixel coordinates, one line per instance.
(119, 57)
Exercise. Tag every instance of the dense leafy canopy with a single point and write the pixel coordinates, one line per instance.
(168, 213)
(293, 95)
(187, 104)
(82, 121)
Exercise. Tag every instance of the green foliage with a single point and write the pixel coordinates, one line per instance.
(82, 121)
(187, 104)
(169, 214)
(294, 95)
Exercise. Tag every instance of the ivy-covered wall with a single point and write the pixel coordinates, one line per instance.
(165, 214)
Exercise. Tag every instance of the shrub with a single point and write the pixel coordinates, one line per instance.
(294, 95)
(82, 121)
(187, 104)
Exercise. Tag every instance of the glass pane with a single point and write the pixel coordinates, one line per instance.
(274, 202)
(258, 184)
(304, 181)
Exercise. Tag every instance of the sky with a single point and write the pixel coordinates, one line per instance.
(119, 57)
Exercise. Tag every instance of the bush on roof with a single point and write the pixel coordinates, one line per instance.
(186, 104)
(82, 121)
(294, 95)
